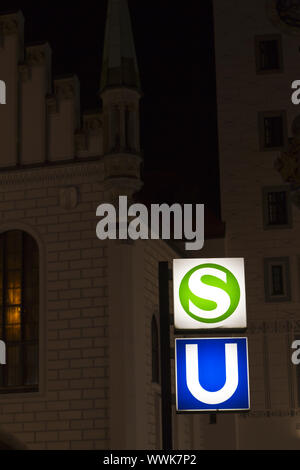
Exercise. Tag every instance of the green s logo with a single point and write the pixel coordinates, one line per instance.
(209, 293)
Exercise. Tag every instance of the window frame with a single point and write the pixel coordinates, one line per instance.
(261, 129)
(265, 38)
(276, 189)
(21, 392)
(284, 262)
(22, 342)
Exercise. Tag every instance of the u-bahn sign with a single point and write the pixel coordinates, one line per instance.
(212, 374)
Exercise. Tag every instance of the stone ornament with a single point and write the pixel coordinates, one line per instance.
(65, 88)
(285, 15)
(93, 123)
(35, 56)
(9, 25)
(288, 163)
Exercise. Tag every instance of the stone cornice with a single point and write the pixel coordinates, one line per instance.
(49, 173)
(274, 327)
(120, 95)
(284, 413)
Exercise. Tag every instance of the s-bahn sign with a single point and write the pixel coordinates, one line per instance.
(209, 294)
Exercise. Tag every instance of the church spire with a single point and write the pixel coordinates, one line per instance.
(119, 66)
(120, 93)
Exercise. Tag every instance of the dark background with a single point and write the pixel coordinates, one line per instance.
(174, 44)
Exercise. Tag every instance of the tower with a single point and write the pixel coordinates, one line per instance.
(120, 93)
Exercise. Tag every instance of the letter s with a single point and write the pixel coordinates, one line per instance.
(203, 290)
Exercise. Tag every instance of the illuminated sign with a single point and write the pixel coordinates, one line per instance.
(209, 294)
(212, 374)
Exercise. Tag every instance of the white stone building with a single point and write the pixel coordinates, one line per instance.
(78, 314)
(257, 59)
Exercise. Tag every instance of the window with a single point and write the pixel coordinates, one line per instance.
(268, 55)
(277, 210)
(115, 128)
(277, 279)
(268, 51)
(277, 207)
(130, 129)
(272, 130)
(19, 298)
(155, 350)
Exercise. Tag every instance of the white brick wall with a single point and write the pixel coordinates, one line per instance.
(71, 410)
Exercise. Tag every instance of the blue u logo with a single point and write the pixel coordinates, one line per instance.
(212, 374)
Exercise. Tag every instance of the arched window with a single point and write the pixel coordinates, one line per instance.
(19, 302)
(155, 350)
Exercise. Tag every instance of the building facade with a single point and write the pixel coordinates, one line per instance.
(79, 315)
(257, 60)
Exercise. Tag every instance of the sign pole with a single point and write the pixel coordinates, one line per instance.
(165, 368)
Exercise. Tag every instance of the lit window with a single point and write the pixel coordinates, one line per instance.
(19, 298)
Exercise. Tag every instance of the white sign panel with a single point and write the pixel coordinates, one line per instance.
(209, 294)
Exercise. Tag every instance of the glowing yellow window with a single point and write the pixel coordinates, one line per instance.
(19, 302)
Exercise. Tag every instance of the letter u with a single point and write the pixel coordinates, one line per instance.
(192, 376)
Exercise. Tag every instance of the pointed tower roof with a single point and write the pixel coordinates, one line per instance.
(119, 67)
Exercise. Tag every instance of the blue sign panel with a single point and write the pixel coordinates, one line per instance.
(212, 374)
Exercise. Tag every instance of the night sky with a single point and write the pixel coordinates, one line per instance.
(174, 44)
